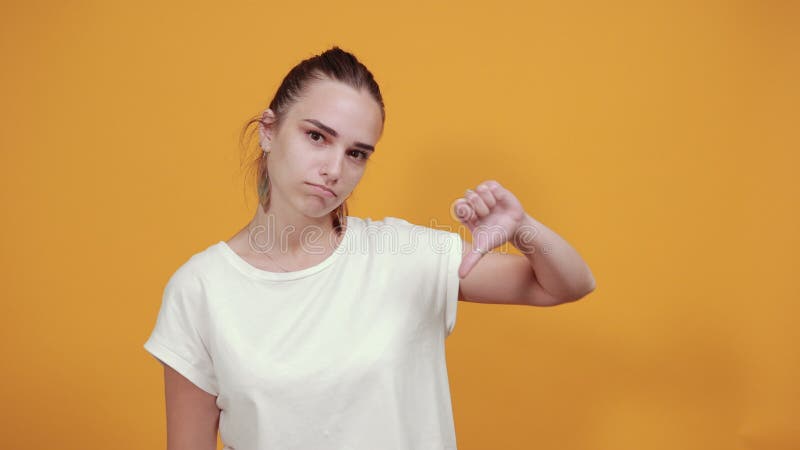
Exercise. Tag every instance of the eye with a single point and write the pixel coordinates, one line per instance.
(360, 155)
(313, 133)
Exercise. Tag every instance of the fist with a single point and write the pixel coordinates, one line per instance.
(493, 215)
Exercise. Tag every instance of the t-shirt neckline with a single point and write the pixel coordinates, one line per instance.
(245, 267)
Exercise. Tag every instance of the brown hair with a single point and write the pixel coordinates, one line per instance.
(335, 64)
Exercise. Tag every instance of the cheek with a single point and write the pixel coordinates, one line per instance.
(355, 177)
(299, 160)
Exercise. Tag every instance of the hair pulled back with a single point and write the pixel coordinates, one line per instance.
(334, 64)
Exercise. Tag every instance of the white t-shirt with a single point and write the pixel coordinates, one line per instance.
(348, 354)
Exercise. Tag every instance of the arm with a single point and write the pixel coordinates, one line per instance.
(192, 414)
(557, 267)
(550, 271)
(512, 279)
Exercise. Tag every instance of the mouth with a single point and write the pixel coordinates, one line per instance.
(323, 190)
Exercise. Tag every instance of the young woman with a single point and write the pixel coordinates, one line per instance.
(313, 329)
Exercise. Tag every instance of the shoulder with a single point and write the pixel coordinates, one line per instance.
(190, 273)
(398, 223)
(408, 237)
(387, 222)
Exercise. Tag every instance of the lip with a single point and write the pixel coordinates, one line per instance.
(323, 190)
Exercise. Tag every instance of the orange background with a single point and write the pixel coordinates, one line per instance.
(659, 139)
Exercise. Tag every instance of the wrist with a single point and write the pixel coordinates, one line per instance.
(525, 236)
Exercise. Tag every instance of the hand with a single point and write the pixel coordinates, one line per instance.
(493, 215)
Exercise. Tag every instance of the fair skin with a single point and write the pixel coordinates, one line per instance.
(192, 414)
(297, 231)
(549, 271)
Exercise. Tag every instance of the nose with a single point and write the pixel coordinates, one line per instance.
(331, 166)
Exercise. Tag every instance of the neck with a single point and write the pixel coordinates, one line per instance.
(290, 233)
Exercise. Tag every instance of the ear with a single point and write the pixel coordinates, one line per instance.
(265, 128)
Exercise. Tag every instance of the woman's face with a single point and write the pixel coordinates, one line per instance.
(325, 139)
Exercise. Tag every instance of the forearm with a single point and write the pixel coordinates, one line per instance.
(557, 266)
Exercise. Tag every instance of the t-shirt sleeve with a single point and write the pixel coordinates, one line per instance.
(177, 338)
(448, 248)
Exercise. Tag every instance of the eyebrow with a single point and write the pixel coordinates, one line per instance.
(333, 133)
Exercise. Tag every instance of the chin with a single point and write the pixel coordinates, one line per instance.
(318, 213)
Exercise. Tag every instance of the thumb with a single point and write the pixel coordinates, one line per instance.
(468, 262)
(463, 211)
